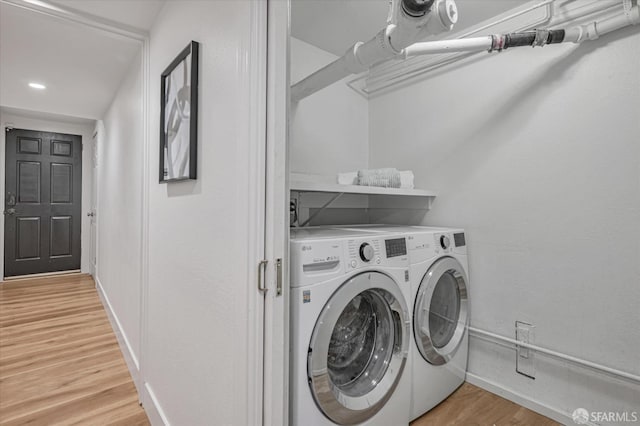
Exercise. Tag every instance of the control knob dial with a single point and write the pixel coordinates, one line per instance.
(445, 242)
(366, 252)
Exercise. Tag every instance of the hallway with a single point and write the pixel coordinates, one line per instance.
(60, 362)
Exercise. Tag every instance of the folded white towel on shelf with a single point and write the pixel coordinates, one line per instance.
(406, 179)
(386, 178)
(350, 178)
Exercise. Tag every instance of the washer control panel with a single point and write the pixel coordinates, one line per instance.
(376, 251)
(325, 257)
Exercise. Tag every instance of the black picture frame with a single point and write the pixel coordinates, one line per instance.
(179, 117)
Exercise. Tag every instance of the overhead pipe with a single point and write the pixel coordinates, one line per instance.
(361, 59)
(592, 31)
(499, 42)
(408, 21)
(492, 43)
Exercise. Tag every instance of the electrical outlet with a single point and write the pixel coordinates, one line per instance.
(525, 360)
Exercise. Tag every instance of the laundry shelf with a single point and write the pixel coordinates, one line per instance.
(315, 197)
(312, 183)
(357, 189)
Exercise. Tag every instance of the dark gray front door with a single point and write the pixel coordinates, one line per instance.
(42, 209)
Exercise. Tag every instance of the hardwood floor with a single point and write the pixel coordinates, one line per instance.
(472, 406)
(60, 363)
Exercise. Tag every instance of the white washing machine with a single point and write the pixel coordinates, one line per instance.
(440, 312)
(350, 328)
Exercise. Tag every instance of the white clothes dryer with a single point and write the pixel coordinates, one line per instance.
(350, 328)
(439, 290)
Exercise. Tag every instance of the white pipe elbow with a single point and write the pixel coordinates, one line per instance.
(409, 30)
(361, 56)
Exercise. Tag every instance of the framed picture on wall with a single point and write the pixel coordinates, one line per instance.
(179, 117)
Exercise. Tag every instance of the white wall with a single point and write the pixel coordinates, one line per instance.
(535, 152)
(119, 210)
(196, 354)
(329, 129)
(52, 123)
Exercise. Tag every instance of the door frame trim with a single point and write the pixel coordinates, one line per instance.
(276, 212)
(93, 242)
(253, 69)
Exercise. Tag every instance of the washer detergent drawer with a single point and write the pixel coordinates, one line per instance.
(321, 267)
(313, 261)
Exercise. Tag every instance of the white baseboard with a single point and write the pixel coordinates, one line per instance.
(125, 347)
(145, 393)
(152, 407)
(523, 400)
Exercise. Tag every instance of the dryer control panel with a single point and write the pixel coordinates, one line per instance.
(431, 243)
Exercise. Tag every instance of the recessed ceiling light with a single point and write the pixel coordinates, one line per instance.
(37, 86)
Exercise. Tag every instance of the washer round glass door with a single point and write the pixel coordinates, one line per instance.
(441, 311)
(358, 348)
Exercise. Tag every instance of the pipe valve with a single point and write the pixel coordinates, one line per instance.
(416, 8)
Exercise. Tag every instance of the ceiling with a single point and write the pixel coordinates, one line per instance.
(81, 67)
(335, 25)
